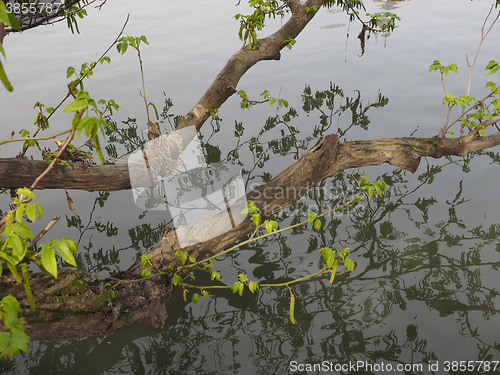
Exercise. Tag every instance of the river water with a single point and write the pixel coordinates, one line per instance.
(424, 291)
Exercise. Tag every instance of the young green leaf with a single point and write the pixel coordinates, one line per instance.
(349, 264)
(146, 272)
(63, 248)
(22, 230)
(311, 216)
(256, 218)
(48, 257)
(18, 249)
(77, 105)
(236, 286)
(20, 212)
(26, 192)
(253, 286)
(364, 180)
(242, 278)
(317, 224)
(250, 208)
(328, 255)
(195, 297)
(493, 67)
(270, 225)
(176, 279)
(182, 255)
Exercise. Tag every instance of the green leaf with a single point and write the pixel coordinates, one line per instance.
(176, 279)
(270, 225)
(146, 272)
(30, 211)
(13, 22)
(236, 286)
(77, 105)
(90, 124)
(364, 181)
(493, 67)
(331, 259)
(182, 255)
(349, 264)
(20, 211)
(242, 277)
(311, 216)
(22, 230)
(317, 224)
(18, 249)
(256, 218)
(435, 65)
(4, 16)
(253, 286)
(195, 297)
(12, 342)
(250, 208)
(26, 192)
(381, 184)
(48, 257)
(64, 250)
(370, 190)
(241, 288)
(70, 71)
(9, 302)
(328, 255)
(215, 275)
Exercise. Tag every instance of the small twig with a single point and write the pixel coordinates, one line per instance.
(81, 78)
(42, 233)
(483, 37)
(61, 150)
(447, 127)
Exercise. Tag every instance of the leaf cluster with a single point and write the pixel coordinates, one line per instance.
(15, 252)
(250, 24)
(474, 111)
(15, 339)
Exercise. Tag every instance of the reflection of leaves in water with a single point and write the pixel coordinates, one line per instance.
(145, 236)
(416, 260)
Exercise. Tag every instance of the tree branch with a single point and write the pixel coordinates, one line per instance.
(267, 49)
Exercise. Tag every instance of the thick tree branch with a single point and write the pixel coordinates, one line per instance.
(404, 153)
